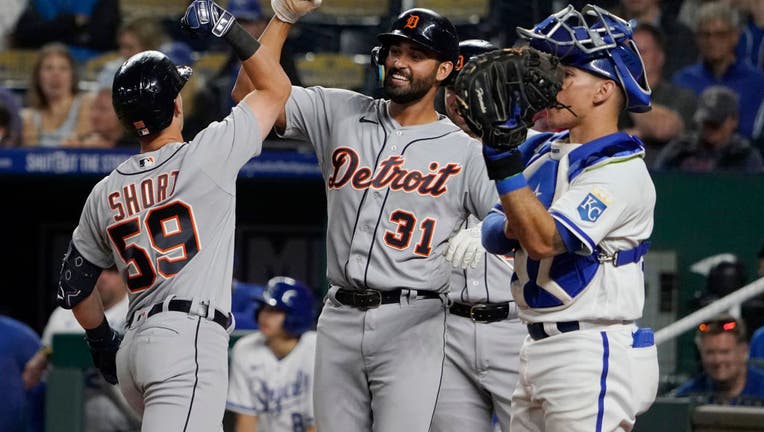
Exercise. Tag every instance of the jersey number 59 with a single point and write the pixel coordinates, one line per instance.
(171, 231)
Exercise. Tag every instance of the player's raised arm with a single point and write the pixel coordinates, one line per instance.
(286, 13)
(269, 84)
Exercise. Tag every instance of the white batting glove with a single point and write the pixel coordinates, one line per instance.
(291, 10)
(465, 248)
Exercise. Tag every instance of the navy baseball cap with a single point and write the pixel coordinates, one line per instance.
(716, 104)
(247, 10)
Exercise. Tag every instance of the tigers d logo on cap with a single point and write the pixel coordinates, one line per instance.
(412, 22)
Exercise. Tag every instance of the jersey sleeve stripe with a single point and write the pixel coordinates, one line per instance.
(575, 230)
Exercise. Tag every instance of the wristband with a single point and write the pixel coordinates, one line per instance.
(243, 44)
(511, 184)
(102, 332)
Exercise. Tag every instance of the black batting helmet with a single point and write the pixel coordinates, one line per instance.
(144, 91)
(424, 27)
(468, 49)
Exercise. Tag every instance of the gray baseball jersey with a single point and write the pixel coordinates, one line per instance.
(278, 391)
(166, 219)
(394, 196)
(482, 359)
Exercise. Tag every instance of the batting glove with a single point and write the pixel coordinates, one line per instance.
(465, 248)
(291, 10)
(206, 17)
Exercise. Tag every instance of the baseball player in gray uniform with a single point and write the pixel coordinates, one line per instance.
(400, 180)
(165, 218)
(484, 332)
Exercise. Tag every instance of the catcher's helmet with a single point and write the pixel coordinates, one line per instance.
(424, 27)
(598, 42)
(295, 299)
(144, 91)
(468, 49)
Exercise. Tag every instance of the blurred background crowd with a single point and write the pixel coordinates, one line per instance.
(703, 58)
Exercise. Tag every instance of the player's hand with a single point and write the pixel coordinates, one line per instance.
(465, 248)
(104, 354)
(206, 17)
(292, 10)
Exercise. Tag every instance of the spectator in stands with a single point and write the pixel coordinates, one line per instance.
(673, 106)
(713, 144)
(22, 409)
(757, 340)
(138, 34)
(86, 26)
(679, 38)
(105, 408)
(56, 108)
(105, 130)
(216, 94)
(12, 136)
(5, 126)
(751, 44)
(726, 378)
(717, 36)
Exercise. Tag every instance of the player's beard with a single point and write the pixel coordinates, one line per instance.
(417, 88)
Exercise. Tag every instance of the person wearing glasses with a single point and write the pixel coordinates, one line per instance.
(727, 378)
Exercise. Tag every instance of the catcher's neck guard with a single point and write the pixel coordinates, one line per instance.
(598, 42)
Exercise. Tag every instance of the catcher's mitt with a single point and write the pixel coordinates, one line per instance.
(499, 93)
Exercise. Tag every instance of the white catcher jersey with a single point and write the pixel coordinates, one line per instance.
(602, 198)
(394, 194)
(166, 218)
(278, 392)
(488, 282)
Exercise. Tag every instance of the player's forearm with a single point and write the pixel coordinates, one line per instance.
(271, 44)
(660, 123)
(89, 312)
(532, 224)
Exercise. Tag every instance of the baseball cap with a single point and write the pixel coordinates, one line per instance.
(715, 105)
(248, 10)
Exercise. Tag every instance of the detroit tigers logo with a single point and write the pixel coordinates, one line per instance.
(389, 173)
(412, 22)
(591, 208)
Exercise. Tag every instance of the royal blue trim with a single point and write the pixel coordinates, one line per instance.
(614, 145)
(603, 381)
(537, 144)
(511, 184)
(582, 235)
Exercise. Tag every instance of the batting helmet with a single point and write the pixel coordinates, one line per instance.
(468, 49)
(144, 91)
(598, 42)
(425, 28)
(292, 297)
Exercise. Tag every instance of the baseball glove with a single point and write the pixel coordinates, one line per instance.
(499, 93)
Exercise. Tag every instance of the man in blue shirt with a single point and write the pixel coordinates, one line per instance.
(21, 410)
(717, 33)
(726, 377)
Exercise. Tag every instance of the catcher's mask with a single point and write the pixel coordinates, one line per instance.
(598, 42)
(294, 298)
(144, 92)
(424, 27)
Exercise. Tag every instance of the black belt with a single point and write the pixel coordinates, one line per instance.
(537, 332)
(370, 298)
(482, 312)
(182, 306)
